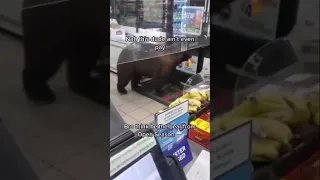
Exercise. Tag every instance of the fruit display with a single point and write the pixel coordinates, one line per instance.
(197, 98)
(277, 116)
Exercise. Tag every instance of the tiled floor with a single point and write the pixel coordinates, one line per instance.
(133, 107)
(66, 140)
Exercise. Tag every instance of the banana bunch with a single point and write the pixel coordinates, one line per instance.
(194, 104)
(274, 114)
(264, 150)
(178, 101)
(195, 98)
(272, 129)
(198, 95)
(208, 95)
(300, 108)
(259, 104)
(286, 108)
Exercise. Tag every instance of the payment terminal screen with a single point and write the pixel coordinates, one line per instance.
(144, 169)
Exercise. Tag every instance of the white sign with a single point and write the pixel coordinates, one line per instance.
(117, 34)
(173, 113)
(205, 72)
(131, 153)
(252, 18)
(230, 149)
(200, 169)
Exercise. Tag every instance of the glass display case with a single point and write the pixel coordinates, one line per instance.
(275, 75)
(175, 25)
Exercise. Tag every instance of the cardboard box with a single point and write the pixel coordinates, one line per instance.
(201, 134)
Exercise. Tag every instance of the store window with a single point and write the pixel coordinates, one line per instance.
(153, 28)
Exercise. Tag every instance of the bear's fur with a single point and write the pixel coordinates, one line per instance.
(157, 68)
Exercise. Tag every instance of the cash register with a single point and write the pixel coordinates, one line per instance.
(140, 158)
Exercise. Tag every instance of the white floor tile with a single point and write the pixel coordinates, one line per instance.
(153, 107)
(148, 119)
(128, 107)
(129, 120)
(139, 114)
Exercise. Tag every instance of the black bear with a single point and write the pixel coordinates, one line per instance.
(131, 68)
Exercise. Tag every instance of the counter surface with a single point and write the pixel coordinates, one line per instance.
(116, 129)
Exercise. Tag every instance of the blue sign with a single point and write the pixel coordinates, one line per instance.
(173, 136)
(243, 172)
(182, 151)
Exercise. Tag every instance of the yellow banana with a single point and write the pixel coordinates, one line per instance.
(187, 95)
(194, 102)
(286, 116)
(203, 95)
(216, 124)
(193, 109)
(275, 130)
(253, 106)
(195, 95)
(299, 107)
(264, 150)
(208, 95)
(182, 99)
(160, 111)
(174, 103)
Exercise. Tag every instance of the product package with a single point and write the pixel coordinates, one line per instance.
(201, 134)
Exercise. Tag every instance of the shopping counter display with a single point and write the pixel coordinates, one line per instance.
(128, 36)
(155, 147)
(282, 104)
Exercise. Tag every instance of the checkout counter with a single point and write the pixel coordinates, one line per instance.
(121, 139)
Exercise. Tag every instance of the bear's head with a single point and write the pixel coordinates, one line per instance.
(182, 57)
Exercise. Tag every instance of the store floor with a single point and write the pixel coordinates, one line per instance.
(67, 140)
(133, 107)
